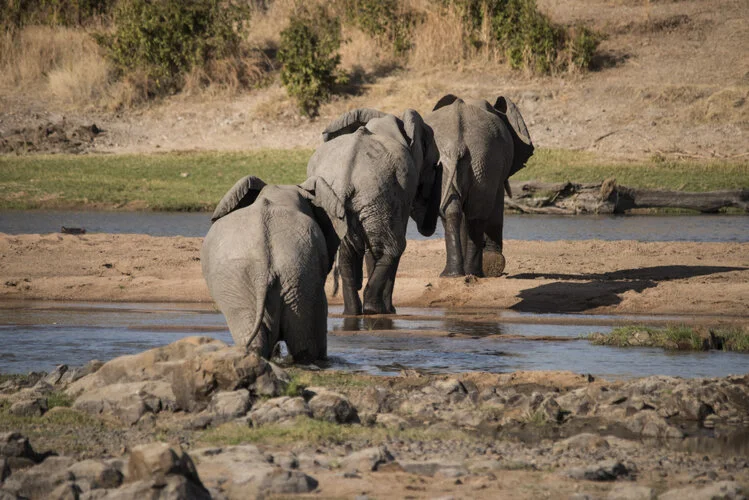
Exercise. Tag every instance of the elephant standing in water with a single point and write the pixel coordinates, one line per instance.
(384, 169)
(480, 146)
(265, 260)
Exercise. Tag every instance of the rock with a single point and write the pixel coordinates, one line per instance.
(631, 492)
(366, 460)
(391, 421)
(35, 407)
(447, 469)
(16, 449)
(54, 377)
(169, 488)
(284, 482)
(721, 490)
(332, 407)
(97, 473)
(608, 470)
(155, 461)
(230, 404)
(582, 442)
(75, 374)
(39, 480)
(128, 402)
(279, 410)
(648, 423)
(65, 491)
(237, 471)
(371, 400)
(269, 384)
(4, 469)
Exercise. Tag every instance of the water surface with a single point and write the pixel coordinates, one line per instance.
(37, 335)
(725, 228)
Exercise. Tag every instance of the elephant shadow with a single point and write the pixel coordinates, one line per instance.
(591, 290)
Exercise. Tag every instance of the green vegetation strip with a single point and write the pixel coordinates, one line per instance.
(676, 338)
(197, 181)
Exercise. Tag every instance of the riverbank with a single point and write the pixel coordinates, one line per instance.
(617, 277)
(201, 419)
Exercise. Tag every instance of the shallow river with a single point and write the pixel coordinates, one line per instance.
(517, 227)
(41, 335)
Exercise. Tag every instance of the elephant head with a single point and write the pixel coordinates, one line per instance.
(509, 113)
(326, 208)
(419, 138)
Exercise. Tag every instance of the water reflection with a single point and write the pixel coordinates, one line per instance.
(39, 335)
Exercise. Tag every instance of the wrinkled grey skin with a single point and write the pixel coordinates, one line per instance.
(480, 146)
(384, 169)
(265, 260)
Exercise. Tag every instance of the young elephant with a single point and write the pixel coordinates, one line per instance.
(265, 260)
(480, 146)
(384, 169)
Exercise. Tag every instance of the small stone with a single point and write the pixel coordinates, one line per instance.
(29, 407)
(631, 492)
(283, 482)
(230, 404)
(157, 460)
(367, 460)
(609, 470)
(723, 490)
(332, 407)
(99, 474)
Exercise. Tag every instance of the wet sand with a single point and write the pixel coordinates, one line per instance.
(620, 277)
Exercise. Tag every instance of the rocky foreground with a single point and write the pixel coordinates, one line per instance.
(199, 419)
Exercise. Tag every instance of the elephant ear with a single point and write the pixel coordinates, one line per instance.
(350, 122)
(416, 135)
(322, 196)
(242, 194)
(445, 101)
(520, 136)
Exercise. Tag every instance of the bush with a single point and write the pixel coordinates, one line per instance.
(310, 60)
(388, 21)
(527, 37)
(162, 40)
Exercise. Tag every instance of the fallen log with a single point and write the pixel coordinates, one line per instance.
(568, 198)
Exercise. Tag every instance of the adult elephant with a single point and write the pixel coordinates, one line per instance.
(265, 260)
(384, 168)
(480, 146)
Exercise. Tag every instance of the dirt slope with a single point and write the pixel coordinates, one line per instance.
(673, 81)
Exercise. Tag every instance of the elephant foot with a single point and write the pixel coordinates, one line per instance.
(451, 273)
(352, 311)
(494, 264)
(375, 307)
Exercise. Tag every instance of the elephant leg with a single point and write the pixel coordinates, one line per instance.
(453, 246)
(369, 261)
(474, 248)
(240, 319)
(304, 328)
(374, 292)
(388, 292)
(494, 260)
(350, 265)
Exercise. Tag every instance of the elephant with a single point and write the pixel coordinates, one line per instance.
(480, 147)
(383, 168)
(265, 260)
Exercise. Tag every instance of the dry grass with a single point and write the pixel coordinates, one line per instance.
(62, 62)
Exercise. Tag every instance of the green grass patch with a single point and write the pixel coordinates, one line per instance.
(156, 181)
(153, 181)
(60, 399)
(560, 165)
(676, 337)
(309, 431)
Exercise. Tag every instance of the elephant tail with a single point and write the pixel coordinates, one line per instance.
(260, 298)
(507, 188)
(336, 274)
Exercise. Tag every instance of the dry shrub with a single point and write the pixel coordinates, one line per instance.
(266, 25)
(229, 75)
(360, 52)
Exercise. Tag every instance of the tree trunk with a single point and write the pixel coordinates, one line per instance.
(567, 198)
